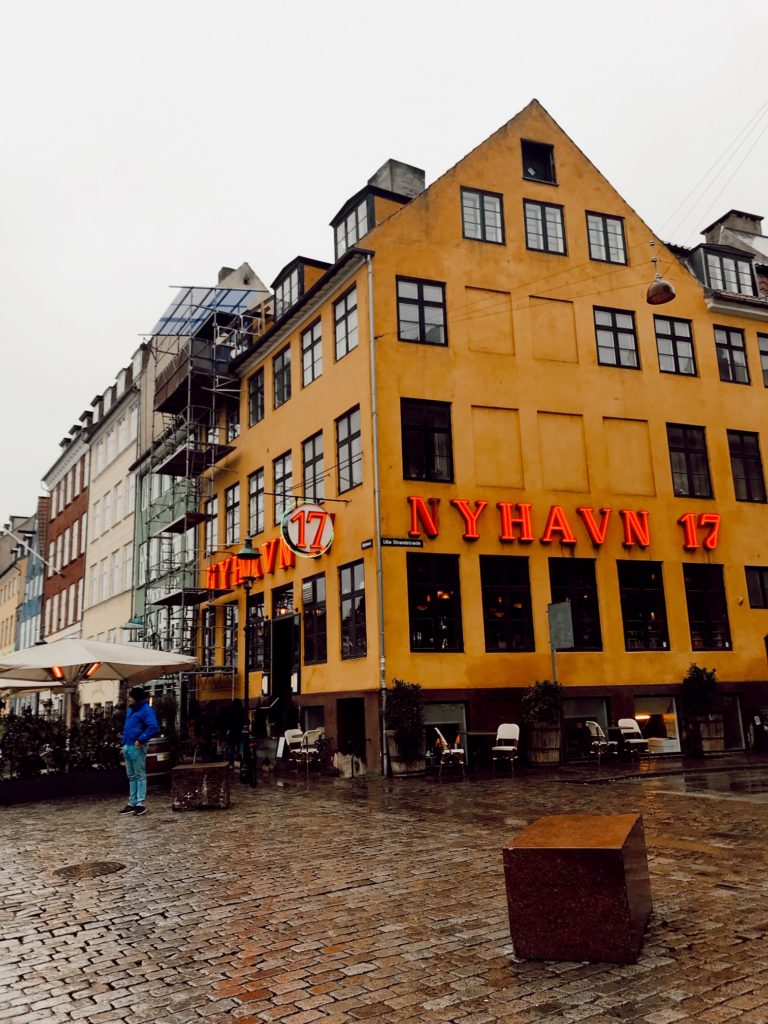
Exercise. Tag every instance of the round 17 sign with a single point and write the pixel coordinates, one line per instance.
(307, 530)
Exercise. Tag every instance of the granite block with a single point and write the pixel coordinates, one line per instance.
(195, 786)
(578, 888)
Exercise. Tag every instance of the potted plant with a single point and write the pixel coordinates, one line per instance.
(701, 702)
(404, 717)
(542, 709)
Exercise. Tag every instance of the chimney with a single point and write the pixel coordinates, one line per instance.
(734, 220)
(398, 177)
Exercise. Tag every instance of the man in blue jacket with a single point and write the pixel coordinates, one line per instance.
(140, 726)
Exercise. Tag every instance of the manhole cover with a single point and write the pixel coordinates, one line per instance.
(91, 869)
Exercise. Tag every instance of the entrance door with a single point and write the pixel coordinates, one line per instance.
(350, 724)
(283, 645)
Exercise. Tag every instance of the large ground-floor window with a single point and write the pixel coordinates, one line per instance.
(434, 603)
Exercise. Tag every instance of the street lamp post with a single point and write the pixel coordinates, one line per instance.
(247, 557)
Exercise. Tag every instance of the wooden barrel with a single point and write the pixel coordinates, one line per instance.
(159, 762)
(543, 744)
(707, 735)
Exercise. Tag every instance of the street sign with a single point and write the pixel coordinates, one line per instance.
(560, 626)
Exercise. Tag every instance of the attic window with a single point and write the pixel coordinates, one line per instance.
(356, 223)
(287, 292)
(727, 274)
(538, 161)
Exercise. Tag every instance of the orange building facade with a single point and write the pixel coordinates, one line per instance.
(479, 395)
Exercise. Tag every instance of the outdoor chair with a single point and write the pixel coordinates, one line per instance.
(452, 756)
(506, 746)
(293, 739)
(634, 741)
(308, 751)
(600, 744)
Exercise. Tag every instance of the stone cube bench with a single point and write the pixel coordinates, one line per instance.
(196, 786)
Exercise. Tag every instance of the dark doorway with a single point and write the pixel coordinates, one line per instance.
(283, 641)
(350, 723)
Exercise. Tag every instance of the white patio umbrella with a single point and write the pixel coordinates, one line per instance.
(74, 661)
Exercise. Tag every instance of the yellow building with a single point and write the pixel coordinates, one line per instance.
(523, 429)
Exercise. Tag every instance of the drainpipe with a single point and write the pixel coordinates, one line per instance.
(377, 521)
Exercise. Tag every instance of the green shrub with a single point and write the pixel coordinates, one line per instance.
(405, 716)
(542, 702)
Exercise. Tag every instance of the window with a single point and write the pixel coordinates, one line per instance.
(688, 458)
(212, 525)
(434, 602)
(283, 477)
(421, 311)
(746, 466)
(707, 608)
(230, 635)
(83, 530)
(643, 608)
(281, 377)
(426, 437)
(573, 580)
(757, 585)
(117, 574)
(315, 638)
(311, 354)
(544, 230)
(731, 355)
(232, 514)
(94, 584)
(128, 565)
(118, 502)
(209, 636)
(121, 425)
(356, 224)
(134, 423)
(345, 323)
(287, 293)
(507, 614)
(762, 346)
(107, 504)
(259, 632)
(674, 344)
(312, 450)
(352, 598)
(482, 215)
(606, 238)
(282, 600)
(538, 161)
(349, 452)
(256, 502)
(75, 539)
(104, 574)
(233, 422)
(727, 274)
(616, 338)
(256, 397)
(96, 519)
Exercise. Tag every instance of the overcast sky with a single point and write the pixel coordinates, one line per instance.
(145, 145)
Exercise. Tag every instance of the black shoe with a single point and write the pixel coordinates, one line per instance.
(138, 810)
(127, 809)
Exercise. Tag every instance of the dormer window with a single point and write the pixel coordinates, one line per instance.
(538, 161)
(353, 226)
(287, 292)
(729, 274)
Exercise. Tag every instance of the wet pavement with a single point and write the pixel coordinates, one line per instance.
(371, 900)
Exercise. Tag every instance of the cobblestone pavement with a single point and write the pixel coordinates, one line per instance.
(338, 901)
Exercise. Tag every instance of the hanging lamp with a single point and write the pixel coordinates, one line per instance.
(659, 290)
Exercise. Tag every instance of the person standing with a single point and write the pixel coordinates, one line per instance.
(140, 726)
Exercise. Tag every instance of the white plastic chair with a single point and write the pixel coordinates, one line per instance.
(451, 756)
(600, 743)
(505, 747)
(634, 740)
